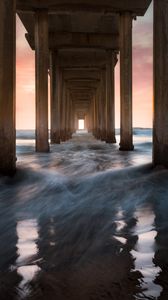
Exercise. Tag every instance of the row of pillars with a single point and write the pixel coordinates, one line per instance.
(101, 116)
(61, 104)
(8, 84)
(102, 112)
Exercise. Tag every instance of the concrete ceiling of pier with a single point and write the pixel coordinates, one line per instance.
(103, 6)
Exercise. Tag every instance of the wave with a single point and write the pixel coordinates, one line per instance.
(84, 222)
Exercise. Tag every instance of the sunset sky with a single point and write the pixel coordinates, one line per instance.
(142, 76)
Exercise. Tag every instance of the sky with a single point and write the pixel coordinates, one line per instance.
(142, 76)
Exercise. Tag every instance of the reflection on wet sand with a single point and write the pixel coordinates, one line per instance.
(27, 231)
(79, 223)
(144, 253)
(81, 260)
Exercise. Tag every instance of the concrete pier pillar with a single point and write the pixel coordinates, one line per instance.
(67, 116)
(55, 97)
(92, 115)
(71, 119)
(95, 119)
(63, 112)
(126, 141)
(98, 113)
(103, 104)
(160, 126)
(7, 87)
(76, 122)
(42, 62)
(89, 119)
(110, 97)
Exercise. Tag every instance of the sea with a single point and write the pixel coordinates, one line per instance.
(84, 221)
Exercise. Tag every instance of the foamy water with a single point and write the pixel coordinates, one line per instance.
(85, 221)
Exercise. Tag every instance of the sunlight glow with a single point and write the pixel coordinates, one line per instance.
(81, 124)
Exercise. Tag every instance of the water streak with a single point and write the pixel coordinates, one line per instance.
(144, 253)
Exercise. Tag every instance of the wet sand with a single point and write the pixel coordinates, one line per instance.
(84, 222)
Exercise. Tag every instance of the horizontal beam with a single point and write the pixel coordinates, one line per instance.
(81, 90)
(81, 99)
(63, 40)
(74, 80)
(81, 108)
(82, 85)
(138, 7)
(73, 74)
(81, 105)
(96, 58)
(84, 95)
(82, 69)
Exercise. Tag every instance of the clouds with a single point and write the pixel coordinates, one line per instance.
(25, 80)
(143, 70)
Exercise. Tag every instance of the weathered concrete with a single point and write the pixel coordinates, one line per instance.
(63, 40)
(110, 97)
(67, 119)
(94, 115)
(82, 85)
(103, 103)
(160, 126)
(55, 80)
(63, 112)
(71, 121)
(7, 87)
(126, 142)
(98, 112)
(139, 6)
(89, 59)
(41, 57)
(88, 74)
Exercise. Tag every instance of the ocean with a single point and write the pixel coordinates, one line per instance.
(84, 222)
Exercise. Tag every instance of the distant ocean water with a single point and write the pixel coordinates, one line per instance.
(84, 221)
(30, 133)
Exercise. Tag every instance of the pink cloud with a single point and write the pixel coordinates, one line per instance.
(25, 83)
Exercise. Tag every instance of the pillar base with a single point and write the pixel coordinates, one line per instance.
(8, 172)
(98, 134)
(110, 141)
(43, 150)
(63, 136)
(110, 138)
(55, 138)
(58, 141)
(126, 148)
(42, 147)
(69, 135)
(160, 154)
(103, 136)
